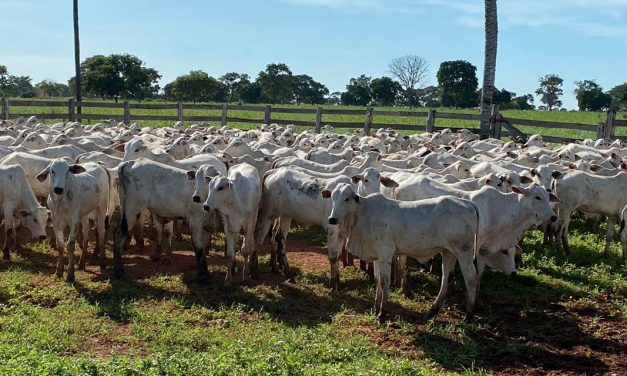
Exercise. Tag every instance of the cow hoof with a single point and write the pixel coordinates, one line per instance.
(470, 317)
(81, 266)
(70, 278)
(6, 256)
(166, 261)
(59, 273)
(118, 273)
(381, 318)
(103, 267)
(154, 258)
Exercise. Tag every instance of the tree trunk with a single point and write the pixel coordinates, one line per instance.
(489, 66)
(77, 58)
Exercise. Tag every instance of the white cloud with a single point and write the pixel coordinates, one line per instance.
(589, 17)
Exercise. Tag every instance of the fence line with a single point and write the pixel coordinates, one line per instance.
(497, 121)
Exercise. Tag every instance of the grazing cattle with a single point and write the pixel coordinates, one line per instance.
(379, 228)
(236, 198)
(165, 191)
(19, 205)
(32, 165)
(78, 193)
(590, 194)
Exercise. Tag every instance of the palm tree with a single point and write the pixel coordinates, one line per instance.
(489, 67)
(77, 57)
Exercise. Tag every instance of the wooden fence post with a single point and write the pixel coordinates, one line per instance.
(608, 131)
(179, 111)
(267, 114)
(71, 110)
(318, 119)
(127, 113)
(430, 121)
(495, 122)
(368, 121)
(224, 114)
(5, 109)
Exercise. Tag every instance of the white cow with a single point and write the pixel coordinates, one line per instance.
(379, 228)
(78, 193)
(236, 198)
(19, 205)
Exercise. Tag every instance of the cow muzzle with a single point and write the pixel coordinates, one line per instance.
(553, 218)
(206, 208)
(196, 198)
(58, 190)
(333, 221)
(43, 237)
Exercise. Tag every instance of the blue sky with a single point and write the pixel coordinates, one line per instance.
(331, 40)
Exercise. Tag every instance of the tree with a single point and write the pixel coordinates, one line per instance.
(277, 83)
(117, 76)
(357, 91)
(429, 96)
(550, 90)
(457, 81)
(252, 93)
(501, 97)
(14, 86)
(523, 102)
(590, 96)
(385, 90)
(307, 90)
(489, 65)
(51, 88)
(198, 86)
(235, 84)
(411, 71)
(619, 97)
(335, 98)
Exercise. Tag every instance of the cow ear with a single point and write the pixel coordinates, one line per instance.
(208, 179)
(595, 167)
(502, 178)
(42, 176)
(326, 193)
(77, 169)
(557, 174)
(388, 182)
(526, 179)
(356, 179)
(183, 142)
(572, 166)
(21, 213)
(356, 198)
(534, 172)
(519, 190)
(623, 165)
(119, 147)
(191, 175)
(378, 156)
(553, 198)
(488, 181)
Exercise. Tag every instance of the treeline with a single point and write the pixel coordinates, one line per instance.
(127, 77)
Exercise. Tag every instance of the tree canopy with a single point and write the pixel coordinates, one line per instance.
(198, 86)
(550, 91)
(590, 96)
(458, 84)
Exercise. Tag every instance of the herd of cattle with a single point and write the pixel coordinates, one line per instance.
(380, 198)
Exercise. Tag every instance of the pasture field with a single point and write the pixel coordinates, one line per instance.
(557, 316)
(582, 117)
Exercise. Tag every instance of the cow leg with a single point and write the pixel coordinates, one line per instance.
(334, 245)
(274, 262)
(200, 239)
(262, 231)
(157, 251)
(370, 271)
(71, 244)
(470, 279)
(120, 234)
(8, 234)
(248, 246)
(178, 230)
(101, 232)
(166, 242)
(384, 269)
(623, 240)
(609, 234)
(58, 234)
(231, 241)
(284, 229)
(83, 236)
(448, 264)
(404, 279)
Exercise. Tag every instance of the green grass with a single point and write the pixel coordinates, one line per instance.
(556, 314)
(592, 118)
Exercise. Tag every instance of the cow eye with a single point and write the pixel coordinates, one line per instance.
(538, 198)
(346, 200)
(35, 219)
(500, 185)
(136, 150)
(220, 188)
(366, 180)
(505, 251)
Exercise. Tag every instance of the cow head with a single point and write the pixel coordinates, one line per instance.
(219, 193)
(58, 170)
(370, 182)
(201, 178)
(344, 200)
(537, 201)
(35, 220)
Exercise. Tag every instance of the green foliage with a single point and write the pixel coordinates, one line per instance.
(523, 102)
(51, 88)
(14, 86)
(236, 84)
(590, 96)
(307, 90)
(618, 95)
(457, 81)
(385, 91)
(252, 93)
(198, 86)
(277, 83)
(118, 76)
(357, 92)
(550, 91)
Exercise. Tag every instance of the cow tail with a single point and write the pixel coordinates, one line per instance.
(476, 247)
(622, 225)
(109, 214)
(122, 228)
